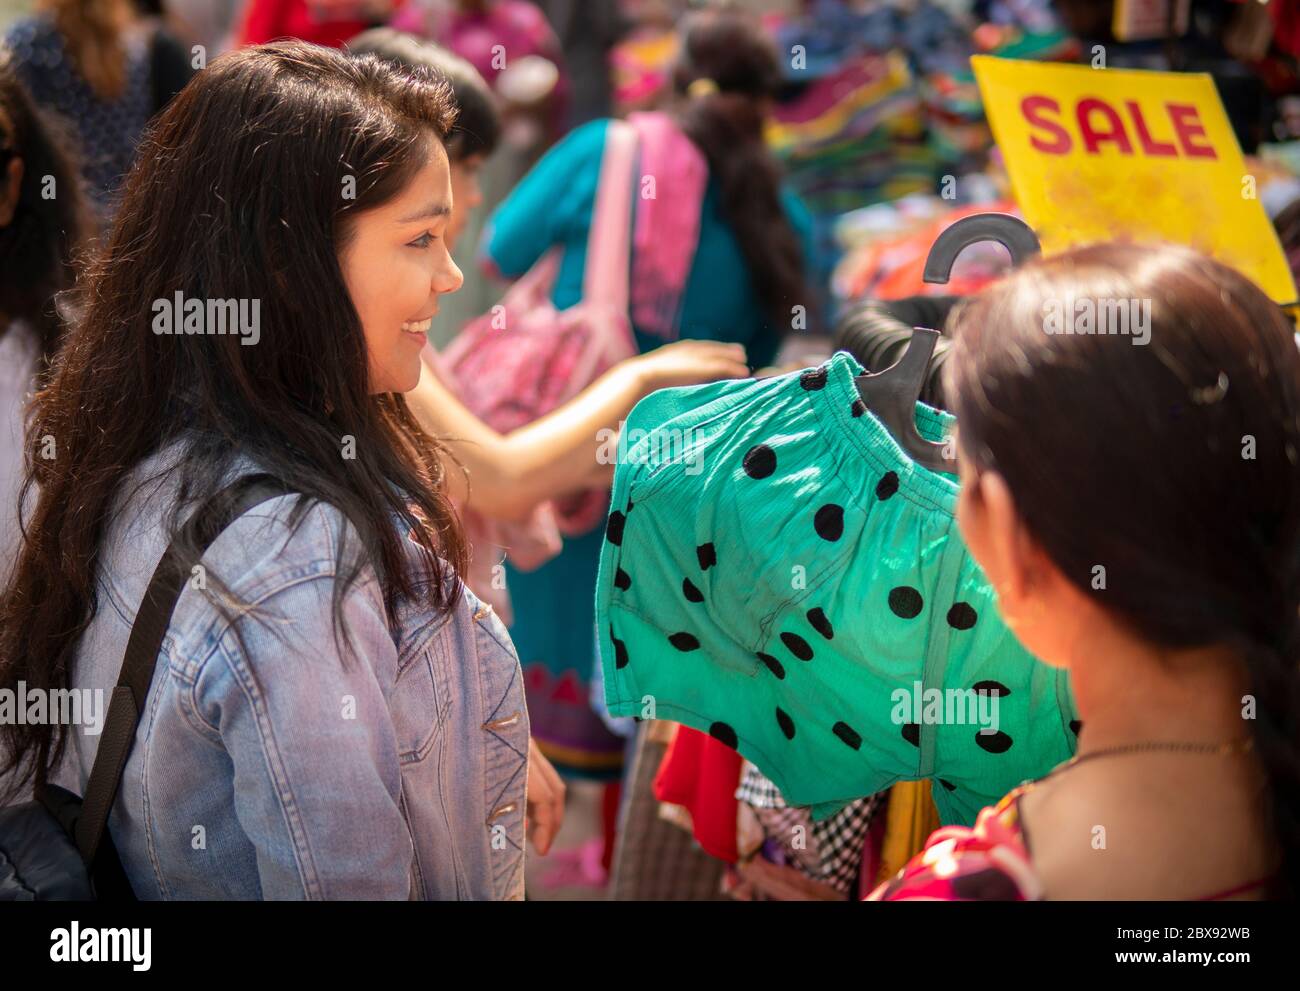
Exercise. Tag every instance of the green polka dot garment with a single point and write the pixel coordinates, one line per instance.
(778, 573)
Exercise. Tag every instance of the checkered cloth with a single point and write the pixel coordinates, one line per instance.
(758, 791)
(834, 847)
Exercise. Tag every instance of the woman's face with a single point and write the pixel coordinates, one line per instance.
(396, 265)
(1035, 600)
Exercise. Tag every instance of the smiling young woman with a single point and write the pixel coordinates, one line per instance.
(396, 264)
(334, 708)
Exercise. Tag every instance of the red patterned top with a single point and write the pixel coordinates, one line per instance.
(985, 862)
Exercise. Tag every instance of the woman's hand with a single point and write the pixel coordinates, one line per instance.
(690, 363)
(545, 799)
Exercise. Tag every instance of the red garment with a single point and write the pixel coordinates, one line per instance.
(990, 861)
(609, 802)
(1286, 28)
(702, 775)
(267, 20)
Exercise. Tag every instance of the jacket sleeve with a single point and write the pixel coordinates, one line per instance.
(308, 730)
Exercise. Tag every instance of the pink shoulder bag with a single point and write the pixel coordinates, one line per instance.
(525, 358)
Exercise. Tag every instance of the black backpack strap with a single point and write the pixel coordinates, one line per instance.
(143, 647)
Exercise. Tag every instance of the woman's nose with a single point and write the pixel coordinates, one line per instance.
(449, 277)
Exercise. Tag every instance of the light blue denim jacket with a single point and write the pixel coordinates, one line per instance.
(275, 769)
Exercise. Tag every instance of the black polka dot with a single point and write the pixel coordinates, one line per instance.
(887, 485)
(912, 733)
(797, 645)
(723, 734)
(773, 665)
(961, 616)
(620, 650)
(622, 580)
(760, 461)
(829, 522)
(820, 623)
(991, 688)
(684, 641)
(858, 408)
(905, 602)
(814, 378)
(848, 734)
(785, 722)
(994, 743)
(1075, 726)
(692, 593)
(948, 784)
(707, 556)
(614, 530)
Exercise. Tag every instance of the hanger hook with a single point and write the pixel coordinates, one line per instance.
(1011, 232)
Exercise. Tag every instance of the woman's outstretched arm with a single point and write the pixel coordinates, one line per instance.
(511, 473)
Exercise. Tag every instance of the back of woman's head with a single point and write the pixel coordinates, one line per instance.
(48, 218)
(93, 31)
(1166, 451)
(478, 124)
(725, 74)
(246, 189)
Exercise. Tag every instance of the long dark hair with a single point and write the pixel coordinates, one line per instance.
(1176, 464)
(240, 191)
(726, 46)
(40, 243)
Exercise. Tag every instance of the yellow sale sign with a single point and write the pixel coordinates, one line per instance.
(1101, 154)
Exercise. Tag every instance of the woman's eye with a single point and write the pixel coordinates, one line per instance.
(423, 241)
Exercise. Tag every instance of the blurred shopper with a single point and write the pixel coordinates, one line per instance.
(717, 255)
(107, 71)
(512, 46)
(42, 222)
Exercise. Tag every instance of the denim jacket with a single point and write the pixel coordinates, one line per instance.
(278, 768)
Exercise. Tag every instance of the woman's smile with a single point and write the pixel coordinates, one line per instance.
(418, 329)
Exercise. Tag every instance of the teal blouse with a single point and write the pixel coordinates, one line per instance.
(552, 205)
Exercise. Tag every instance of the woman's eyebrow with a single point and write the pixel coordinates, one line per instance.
(430, 212)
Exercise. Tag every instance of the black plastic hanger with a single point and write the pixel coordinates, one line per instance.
(892, 394)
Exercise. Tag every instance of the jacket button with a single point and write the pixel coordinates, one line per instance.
(503, 810)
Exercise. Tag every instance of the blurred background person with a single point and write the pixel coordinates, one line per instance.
(39, 234)
(106, 70)
(745, 275)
